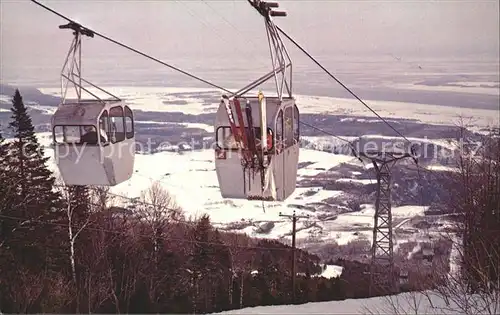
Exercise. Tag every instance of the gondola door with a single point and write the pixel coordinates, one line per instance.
(279, 146)
(293, 156)
(288, 150)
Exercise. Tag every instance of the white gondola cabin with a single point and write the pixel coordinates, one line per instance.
(94, 142)
(257, 150)
(274, 179)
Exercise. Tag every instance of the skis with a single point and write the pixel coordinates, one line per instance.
(263, 122)
(241, 123)
(252, 146)
(253, 152)
(232, 123)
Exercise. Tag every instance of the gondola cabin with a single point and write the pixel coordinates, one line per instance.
(248, 168)
(94, 142)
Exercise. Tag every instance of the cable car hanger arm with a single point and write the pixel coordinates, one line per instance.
(264, 78)
(132, 49)
(282, 63)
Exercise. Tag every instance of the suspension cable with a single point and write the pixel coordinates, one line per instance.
(135, 50)
(184, 72)
(339, 82)
(226, 90)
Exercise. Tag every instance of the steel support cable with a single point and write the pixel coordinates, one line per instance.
(223, 89)
(250, 54)
(351, 145)
(175, 68)
(212, 84)
(208, 25)
(354, 95)
(159, 61)
(133, 49)
(339, 82)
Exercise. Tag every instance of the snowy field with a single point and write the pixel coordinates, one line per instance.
(192, 173)
(404, 303)
(189, 101)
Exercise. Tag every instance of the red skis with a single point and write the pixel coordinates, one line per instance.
(241, 124)
(230, 116)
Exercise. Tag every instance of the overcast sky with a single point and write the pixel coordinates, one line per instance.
(195, 33)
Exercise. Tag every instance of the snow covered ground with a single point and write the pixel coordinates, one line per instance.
(332, 271)
(404, 303)
(192, 173)
(205, 127)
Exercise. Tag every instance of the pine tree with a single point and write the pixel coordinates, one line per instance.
(221, 273)
(4, 178)
(3, 150)
(8, 196)
(36, 180)
(5, 225)
(7, 193)
(202, 262)
(33, 182)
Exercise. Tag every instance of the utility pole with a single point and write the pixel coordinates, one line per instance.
(382, 250)
(294, 218)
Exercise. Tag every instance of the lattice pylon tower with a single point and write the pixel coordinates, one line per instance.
(382, 276)
(382, 246)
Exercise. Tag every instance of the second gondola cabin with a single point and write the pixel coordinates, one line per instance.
(94, 142)
(237, 178)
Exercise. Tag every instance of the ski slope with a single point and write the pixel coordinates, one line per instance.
(404, 303)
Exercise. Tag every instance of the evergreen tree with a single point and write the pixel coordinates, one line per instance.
(201, 263)
(6, 225)
(7, 192)
(5, 185)
(3, 151)
(221, 273)
(268, 272)
(33, 182)
(36, 180)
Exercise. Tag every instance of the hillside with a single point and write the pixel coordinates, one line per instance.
(334, 188)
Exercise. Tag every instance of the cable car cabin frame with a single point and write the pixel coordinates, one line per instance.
(103, 155)
(281, 157)
(93, 139)
(247, 168)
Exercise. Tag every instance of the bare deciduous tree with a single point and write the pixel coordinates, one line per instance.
(473, 284)
(157, 209)
(74, 229)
